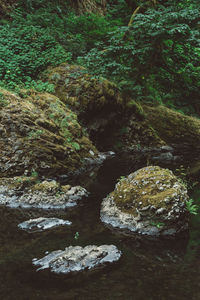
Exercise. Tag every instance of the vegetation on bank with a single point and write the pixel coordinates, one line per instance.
(154, 58)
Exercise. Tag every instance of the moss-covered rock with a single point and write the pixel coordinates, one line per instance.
(173, 127)
(27, 192)
(82, 92)
(112, 119)
(39, 133)
(150, 201)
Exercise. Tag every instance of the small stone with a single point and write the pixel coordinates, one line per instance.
(41, 224)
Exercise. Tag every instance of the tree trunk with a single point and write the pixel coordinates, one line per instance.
(88, 6)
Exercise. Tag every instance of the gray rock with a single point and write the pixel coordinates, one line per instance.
(75, 259)
(41, 224)
(150, 201)
(45, 195)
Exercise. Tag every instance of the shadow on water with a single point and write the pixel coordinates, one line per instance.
(148, 269)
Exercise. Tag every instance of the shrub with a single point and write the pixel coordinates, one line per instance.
(158, 61)
(25, 51)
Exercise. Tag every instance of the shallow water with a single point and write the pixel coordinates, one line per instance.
(148, 269)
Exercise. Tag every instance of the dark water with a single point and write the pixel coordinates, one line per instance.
(148, 269)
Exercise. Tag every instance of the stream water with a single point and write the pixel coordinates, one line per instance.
(148, 269)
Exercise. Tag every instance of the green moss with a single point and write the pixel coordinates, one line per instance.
(172, 126)
(73, 84)
(136, 108)
(46, 186)
(46, 133)
(149, 186)
(18, 182)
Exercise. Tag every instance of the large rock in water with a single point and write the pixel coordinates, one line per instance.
(26, 192)
(76, 259)
(39, 133)
(150, 201)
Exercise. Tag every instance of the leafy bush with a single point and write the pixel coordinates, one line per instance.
(158, 61)
(76, 34)
(25, 51)
(191, 207)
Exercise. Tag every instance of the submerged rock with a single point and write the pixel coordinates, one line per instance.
(42, 223)
(150, 201)
(75, 259)
(46, 194)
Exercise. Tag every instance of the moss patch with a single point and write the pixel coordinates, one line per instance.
(150, 186)
(79, 90)
(40, 133)
(173, 127)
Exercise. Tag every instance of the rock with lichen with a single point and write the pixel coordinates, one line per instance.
(42, 223)
(77, 259)
(38, 133)
(150, 201)
(27, 192)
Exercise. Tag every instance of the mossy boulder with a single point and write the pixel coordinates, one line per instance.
(113, 120)
(29, 192)
(150, 201)
(82, 92)
(174, 128)
(39, 133)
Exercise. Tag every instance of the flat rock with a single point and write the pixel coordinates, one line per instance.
(40, 224)
(76, 259)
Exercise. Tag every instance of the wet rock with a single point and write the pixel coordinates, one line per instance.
(42, 223)
(46, 194)
(150, 201)
(76, 259)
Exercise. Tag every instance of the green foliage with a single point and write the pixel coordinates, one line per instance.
(191, 207)
(76, 236)
(3, 101)
(35, 134)
(158, 61)
(25, 51)
(157, 224)
(155, 60)
(76, 146)
(77, 34)
(34, 174)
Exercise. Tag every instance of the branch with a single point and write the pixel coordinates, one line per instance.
(131, 21)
